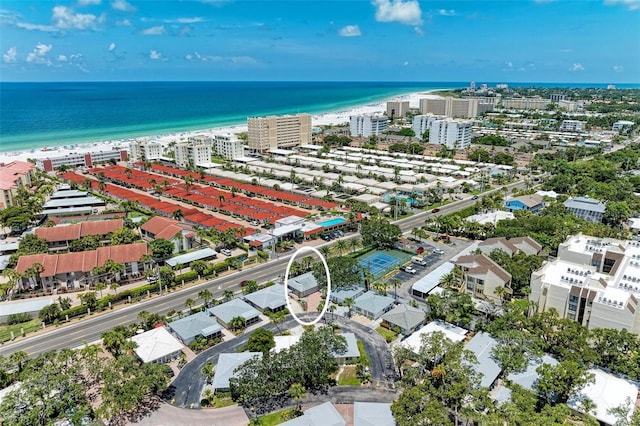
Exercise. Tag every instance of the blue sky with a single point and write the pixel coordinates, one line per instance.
(580, 41)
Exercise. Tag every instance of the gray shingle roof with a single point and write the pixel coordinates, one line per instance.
(372, 414)
(585, 203)
(271, 297)
(321, 415)
(193, 325)
(303, 282)
(234, 308)
(352, 347)
(227, 363)
(373, 302)
(404, 316)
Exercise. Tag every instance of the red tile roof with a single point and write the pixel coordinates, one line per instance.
(79, 230)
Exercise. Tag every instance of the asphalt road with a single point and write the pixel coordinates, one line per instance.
(90, 329)
(186, 389)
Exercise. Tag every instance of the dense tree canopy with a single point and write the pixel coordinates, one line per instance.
(161, 248)
(345, 272)
(380, 233)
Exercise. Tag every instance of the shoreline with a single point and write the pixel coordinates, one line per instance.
(332, 117)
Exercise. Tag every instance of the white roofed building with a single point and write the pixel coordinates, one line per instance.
(157, 345)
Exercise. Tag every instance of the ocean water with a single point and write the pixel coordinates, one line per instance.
(34, 115)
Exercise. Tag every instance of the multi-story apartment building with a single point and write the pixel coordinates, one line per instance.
(14, 175)
(190, 155)
(620, 125)
(525, 103)
(87, 159)
(454, 134)
(228, 146)
(454, 107)
(481, 277)
(571, 126)
(367, 125)
(281, 131)
(397, 109)
(594, 281)
(586, 208)
(555, 97)
(145, 150)
(422, 123)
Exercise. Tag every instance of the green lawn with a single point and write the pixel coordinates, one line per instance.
(389, 336)
(220, 402)
(348, 376)
(275, 418)
(5, 330)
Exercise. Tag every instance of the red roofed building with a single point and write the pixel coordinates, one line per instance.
(14, 175)
(73, 270)
(180, 234)
(59, 237)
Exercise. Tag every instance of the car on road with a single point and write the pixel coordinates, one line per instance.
(226, 252)
(420, 250)
(475, 197)
(408, 269)
(435, 210)
(438, 251)
(255, 223)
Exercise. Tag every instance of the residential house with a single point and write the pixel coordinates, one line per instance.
(352, 352)
(73, 270)
(226, 366)
(225, 312)
(303, 285)
(526, 379)
(269, 299)
(180, 234)
(450, 331)
(372, 414)
(373, 305)
(481, 345)
(481, 277)
(341, 294)
(199, 324)
(404, 318)
(30, 307)
(157, 345)
(533, 203)
(511, 246)
(60, 237)
(324, 414)
(586, 208)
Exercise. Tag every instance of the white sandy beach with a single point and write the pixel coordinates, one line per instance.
(330, 118)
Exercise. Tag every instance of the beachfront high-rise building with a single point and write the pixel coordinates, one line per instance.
(367, 125)
(454, 134)
(145, 150)
(422, 123)
(455, 107)
(87, 159)
(525, 103)
(397, 109)
(191, 154)
(17, 174)
(228, 146)
(279, 131)
(594, 281)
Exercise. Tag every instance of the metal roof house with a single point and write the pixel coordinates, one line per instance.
(450, 331)
(187, 258)
(199, 324)
(226, 365)
(321, 415)
(225, 312)
(425, 285)
(482, 346)
(373, 305)
(352, 352)
(586, 208)
(372, 414)
(268, 299)
(339, 295)
(303, 285)
(527, 378)
(405, 317)
(157, 345)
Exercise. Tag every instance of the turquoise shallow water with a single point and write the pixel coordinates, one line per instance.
(34, 115)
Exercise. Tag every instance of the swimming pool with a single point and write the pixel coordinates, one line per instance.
(332, 222)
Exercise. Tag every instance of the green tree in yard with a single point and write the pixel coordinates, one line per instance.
(206, 296)
(349, 302)
(261, 340)
(161, 248)
(616, 213)
(49, 313)
(297, 392)
(228, 294)
(557, 382)
(189, 303)
(115, 339)
(90, 242)
(208, 371)
(167, 276)
(124, 236)
(414, 406)
(380, 233)
(89, 299)
(31, 244)
(237, 323)
(250, 287)
(345, 272)
(198, 266)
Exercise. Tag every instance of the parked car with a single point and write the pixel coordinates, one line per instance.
(255, 223)
(475, 197)
(438, 251)
(420, 250)
(226, 252)
(419, 261)
(435, 210)
(339, 232)
(408, 269)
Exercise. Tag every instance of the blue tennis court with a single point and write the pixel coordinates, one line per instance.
(379, 263)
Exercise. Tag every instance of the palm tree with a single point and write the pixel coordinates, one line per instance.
(18, 358)
(177, 214)
(100, 286)
(355, 244)
(221, 199)
(208, 371)
(307, 261)
(189, 303)
(188, 182)
(500, 291)
(395, 283)
(33, 273)
(228, 294)
(236, 323)
(341, 247)
(297, 392)
(349, 302)
(380, 287)
(206, 296)
(325, 251)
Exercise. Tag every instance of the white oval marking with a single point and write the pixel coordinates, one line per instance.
(286, 287)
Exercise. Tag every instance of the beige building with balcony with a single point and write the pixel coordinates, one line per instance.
(14, 175)
(481, 276)
(279, 131)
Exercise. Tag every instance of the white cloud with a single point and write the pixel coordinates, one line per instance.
(123, 6)
(39, 54)
(631, 4)
(11, 56)
(65, 18)
(618, 68)
(36, 27)
(350, 31)
(193, 20)
(445, 12)
(111, 47)
(123, 23)
(154, 54)
(229, 60)
(405, 12)
(158, 30)
(88, 2)
(418, 30)
(62, 58)
(576, 67)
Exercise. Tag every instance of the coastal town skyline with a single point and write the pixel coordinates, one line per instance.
(533, 41)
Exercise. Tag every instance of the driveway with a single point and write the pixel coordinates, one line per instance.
(169, 415)
(186, 388)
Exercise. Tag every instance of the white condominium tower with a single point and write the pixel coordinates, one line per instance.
(279, 131)
(367, 125)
